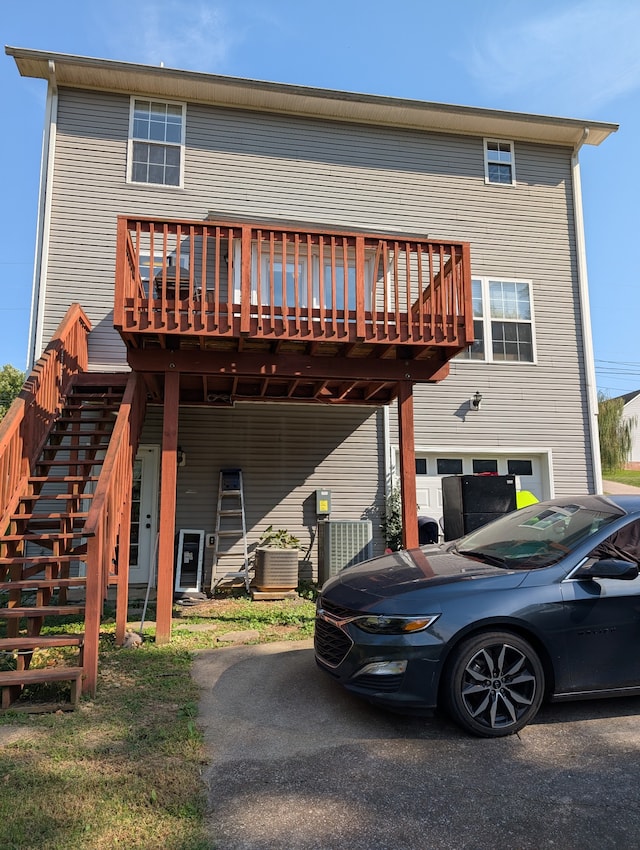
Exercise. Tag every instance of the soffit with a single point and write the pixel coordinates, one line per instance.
(108, 75)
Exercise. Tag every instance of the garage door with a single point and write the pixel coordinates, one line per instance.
(432, 467)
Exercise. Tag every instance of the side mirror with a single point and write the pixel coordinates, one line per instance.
(609, 568)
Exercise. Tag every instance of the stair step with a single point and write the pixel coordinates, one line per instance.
(62, 479)
(42, 583)
(40, 611)
(40, 560)
(46, 517)
(11, 678)
(48, 536)
(70, 462)
(41, 642)
(64, 496)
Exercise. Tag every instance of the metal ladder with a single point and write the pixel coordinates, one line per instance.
(231, 529)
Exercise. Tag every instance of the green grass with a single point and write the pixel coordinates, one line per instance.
(124, 769)
(623, 476)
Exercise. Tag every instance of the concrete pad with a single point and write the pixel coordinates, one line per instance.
(296, 763)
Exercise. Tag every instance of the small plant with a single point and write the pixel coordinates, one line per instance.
(391, 525)
(278, 538)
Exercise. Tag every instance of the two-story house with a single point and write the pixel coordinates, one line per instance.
(314, 287)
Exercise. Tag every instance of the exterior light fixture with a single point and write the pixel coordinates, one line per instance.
(476, 400)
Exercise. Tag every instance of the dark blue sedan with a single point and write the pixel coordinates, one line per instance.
(543, 603)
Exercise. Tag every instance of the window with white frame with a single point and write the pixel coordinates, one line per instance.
(499, 162)
(277, 284)
(502, 321)
(156, 143)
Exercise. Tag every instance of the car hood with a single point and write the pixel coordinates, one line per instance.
(415, 570)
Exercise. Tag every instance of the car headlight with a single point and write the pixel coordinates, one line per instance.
(385, 625)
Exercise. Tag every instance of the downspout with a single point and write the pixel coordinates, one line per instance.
(41, 260)
(587, 338)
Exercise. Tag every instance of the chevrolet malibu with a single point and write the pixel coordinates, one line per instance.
(543, 603)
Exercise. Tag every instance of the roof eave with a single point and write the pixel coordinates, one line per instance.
(127, 77)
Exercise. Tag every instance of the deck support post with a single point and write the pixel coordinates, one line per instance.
(122, 587)
(407, 465)
(168, 478)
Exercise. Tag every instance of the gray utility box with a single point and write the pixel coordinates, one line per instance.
(342, 543)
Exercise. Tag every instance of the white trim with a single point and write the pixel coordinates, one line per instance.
(512, 164)
(131, 139)
(544, 454)
(43, 228)
(585, 319)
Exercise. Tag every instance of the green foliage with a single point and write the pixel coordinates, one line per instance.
(278, 538)
(615, 433)
(11, 381)
(391, 524)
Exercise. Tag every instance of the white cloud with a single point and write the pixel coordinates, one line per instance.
(178, 34)
(575, 58)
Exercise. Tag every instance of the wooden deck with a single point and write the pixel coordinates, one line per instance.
(272, 312)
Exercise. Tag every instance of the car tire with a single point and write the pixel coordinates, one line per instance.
(494, 684)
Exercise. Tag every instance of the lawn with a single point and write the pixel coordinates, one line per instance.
(124, 769)
(623, 476)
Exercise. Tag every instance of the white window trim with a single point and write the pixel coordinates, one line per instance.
(486, 322)
(486, 162)
(132, 139)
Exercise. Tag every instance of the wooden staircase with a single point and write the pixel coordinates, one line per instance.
(43, 554)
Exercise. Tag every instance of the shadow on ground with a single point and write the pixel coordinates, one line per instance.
(297, 763)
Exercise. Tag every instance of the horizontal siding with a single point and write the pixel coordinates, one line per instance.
(262, 165)
(285, 452)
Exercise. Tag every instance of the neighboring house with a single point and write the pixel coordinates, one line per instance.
(294, 277)
(631, 412)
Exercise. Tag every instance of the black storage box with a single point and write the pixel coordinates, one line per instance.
(469, 501)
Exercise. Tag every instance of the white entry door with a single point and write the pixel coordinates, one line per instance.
(144, 514)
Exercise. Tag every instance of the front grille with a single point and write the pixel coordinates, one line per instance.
(379, 684)
(331, 643)
(337, 611)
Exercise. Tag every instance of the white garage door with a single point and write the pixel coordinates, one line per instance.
(432, 467)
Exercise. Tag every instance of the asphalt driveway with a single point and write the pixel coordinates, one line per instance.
(296, 763)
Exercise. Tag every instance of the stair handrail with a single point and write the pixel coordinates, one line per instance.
(112, 497)
(25, 426)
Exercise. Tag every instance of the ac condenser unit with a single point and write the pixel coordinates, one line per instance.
(342, 543)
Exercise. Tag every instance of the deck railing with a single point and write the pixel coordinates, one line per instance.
(111, 504)
(24, 429)
(229, 279)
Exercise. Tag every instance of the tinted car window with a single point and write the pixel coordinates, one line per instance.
(538, 536)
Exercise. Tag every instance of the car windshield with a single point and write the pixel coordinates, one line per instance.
(538, 535)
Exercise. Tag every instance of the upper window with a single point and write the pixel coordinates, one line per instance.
(502, 321)
(499, 162)
(156, 142)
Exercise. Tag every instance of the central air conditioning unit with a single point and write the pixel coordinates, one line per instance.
(342, 543)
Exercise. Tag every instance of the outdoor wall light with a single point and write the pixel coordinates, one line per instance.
(476, 400)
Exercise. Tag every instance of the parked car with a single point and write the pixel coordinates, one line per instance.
(543, 603)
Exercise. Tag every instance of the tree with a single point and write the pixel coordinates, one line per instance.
(615, 432)
(11, 381)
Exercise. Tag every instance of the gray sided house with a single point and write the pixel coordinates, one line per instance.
(311, 286)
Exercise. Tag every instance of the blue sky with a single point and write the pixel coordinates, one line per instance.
(575, 58)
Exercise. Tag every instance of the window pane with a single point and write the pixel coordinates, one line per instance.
(512, 341)
(421, 466)
(449, 466)
(519, 467)
(485, 466)
(330, 280)
(476, 294)
(499, 173)
(156, 174)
